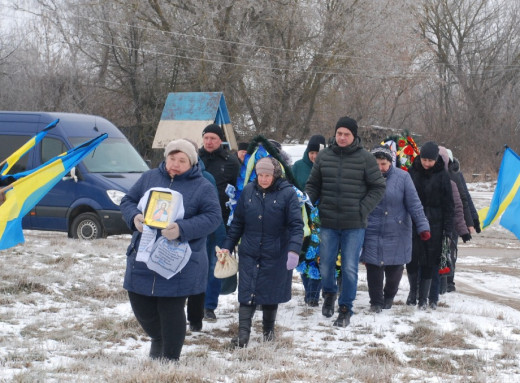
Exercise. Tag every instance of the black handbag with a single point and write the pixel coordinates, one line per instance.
(229, 285)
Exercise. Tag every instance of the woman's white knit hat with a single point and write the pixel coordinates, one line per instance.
(182, 146)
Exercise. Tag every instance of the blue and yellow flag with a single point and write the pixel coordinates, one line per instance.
(23, 194)
(8, 163)
(506, 199)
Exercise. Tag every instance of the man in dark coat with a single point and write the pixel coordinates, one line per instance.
(347, 181)
(224, 167)
(220, 163)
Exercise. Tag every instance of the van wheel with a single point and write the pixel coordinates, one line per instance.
(87, 226)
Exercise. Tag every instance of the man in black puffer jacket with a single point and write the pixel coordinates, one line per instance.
(347, 182)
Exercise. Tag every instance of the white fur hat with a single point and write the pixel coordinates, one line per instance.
(450, 154)
(182, 146)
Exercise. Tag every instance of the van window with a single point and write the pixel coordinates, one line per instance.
(113, 155)
(51, 147)
(8, 145)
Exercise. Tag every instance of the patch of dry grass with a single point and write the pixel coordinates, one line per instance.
(424, 334)
(22, 286)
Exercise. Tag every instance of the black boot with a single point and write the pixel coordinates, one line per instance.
(268, 319)
(388, 303)
(156, 351)
(343, 319)
(443, 285)
(424, 291)
(245, 317)
(329, 300)
(412, 295)
(451, 284)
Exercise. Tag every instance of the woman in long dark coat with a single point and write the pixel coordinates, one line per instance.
(433, 186)
(268, 222)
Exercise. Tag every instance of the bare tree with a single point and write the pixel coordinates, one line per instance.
(474, 46)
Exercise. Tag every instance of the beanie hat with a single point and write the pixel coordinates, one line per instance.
(316, 143)
(243, 145)
(215, 129)
(269, 165)
(430, 150)
(349, 123)
(276, 144)
(382, 151)
(265, 166)
(182, 146)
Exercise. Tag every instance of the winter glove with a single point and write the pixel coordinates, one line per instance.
(292, 260)
(476, 224)
(466, 237)
(138, 222)
(171, 232)
(425, 235)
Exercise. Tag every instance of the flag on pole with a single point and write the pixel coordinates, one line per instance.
(8, 163)
(506, 199)
(23, 194)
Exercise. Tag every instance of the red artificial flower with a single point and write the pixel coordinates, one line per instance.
(444, 270)
(404, 167)
(408, 150)
(401, 143)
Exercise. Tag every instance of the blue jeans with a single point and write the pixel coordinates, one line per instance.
(312, 288)
(349, 241)
(214, 284)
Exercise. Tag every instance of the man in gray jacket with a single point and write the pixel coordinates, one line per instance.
(347, 182)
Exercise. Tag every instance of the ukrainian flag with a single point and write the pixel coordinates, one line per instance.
(23, 194)
(506, 199)
(8, 163)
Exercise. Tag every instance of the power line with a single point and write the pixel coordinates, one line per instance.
(312, 69)
(268, 68)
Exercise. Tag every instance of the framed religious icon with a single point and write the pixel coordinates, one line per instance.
(158, 211)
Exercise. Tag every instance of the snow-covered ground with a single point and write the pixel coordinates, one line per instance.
(65, 317)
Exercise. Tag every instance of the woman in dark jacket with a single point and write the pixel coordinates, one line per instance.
(388, 237)
(433, 186)
(158, 303)
(268, 222)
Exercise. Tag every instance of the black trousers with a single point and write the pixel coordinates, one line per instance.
(196, 308)
(383, 282)
(163, 319)
(426, 272)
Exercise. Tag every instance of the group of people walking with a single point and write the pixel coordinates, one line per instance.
(370, 211)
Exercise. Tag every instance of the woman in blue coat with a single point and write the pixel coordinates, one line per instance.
(158, 303)
(388, 237)
(268, 222)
